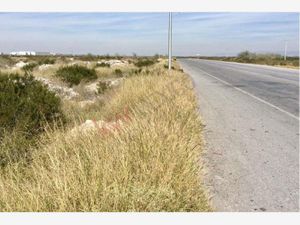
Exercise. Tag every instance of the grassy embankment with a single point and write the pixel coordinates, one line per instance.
(150, 164)
(263, 59)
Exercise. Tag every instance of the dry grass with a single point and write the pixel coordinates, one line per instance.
(151, 164)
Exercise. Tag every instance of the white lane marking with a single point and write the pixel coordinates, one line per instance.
(251, 95)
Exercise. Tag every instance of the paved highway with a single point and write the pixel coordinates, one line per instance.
(251, 117)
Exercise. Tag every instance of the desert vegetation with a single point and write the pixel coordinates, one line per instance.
(144, 62)
(29, 67)
(80, 137)
(73, 75)
(102, 64)
(27, 108)
(102, 86)
(265, 59)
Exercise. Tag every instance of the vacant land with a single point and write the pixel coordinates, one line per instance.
(264, 59)
(129, 138)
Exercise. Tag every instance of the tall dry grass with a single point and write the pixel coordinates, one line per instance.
(151, 164)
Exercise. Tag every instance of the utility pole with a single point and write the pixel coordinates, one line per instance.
(285, 49)
(170, 41)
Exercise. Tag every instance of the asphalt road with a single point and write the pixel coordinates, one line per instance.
(251, 117)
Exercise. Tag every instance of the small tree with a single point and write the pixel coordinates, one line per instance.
(246, 56)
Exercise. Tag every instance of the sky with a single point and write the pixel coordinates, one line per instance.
(207, 34)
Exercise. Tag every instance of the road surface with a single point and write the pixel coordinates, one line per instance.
(251, 118)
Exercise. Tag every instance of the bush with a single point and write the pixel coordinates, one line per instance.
(296, 63)
(134, 72)
(26, 105)
(102, 86)
(46, 61)
(118, 73)
(75, 74)
(138, 71)
(6, 61)
(88, 57)
(167, 67)
(29, 67)
(144, 62)
(246, 56)
(102, 64)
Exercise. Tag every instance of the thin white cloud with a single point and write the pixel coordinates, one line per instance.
(146, 33)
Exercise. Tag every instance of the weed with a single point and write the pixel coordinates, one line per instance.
(167, 67)
(103, 64)
(102, 86)
(118, 72)
(29, 67)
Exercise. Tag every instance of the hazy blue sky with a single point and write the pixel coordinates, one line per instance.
(146, 33)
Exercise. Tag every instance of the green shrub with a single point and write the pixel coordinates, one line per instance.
(138, 71)
(29, 67)
(102, 64)
(87, 57)
(118, 73)
(75, 74)
(134, 72)
(46, 61)
(6, 61)
(167, 67)
(102, 86)
(283, 63)
(144, 62)
(26, 105)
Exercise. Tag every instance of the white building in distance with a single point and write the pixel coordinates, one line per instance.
(24, 53)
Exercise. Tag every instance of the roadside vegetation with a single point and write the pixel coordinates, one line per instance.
(264, 59)
(128, 140)
(73, 75)
(102, 64)
(29, 67)
(144, 62)
(27, 108)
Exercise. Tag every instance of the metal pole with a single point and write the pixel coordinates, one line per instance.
(285, 49)
(170, 41)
